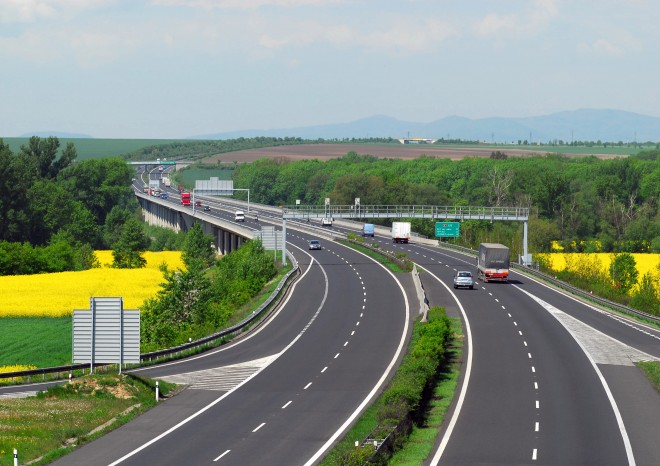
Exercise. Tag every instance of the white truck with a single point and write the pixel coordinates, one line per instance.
(493, 262)
(400, 232)
(167, 181)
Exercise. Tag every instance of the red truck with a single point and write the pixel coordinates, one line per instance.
(185, 199)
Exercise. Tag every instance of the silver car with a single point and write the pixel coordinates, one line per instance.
(314, 244)
(463, 278)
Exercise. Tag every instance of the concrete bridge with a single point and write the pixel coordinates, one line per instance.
(165, 213)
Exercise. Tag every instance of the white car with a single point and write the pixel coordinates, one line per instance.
(326, 222)
(463, 278)
(314, 244)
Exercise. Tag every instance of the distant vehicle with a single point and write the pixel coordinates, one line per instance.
(326, 222)
(463, 278)
(314, 244)
(164, 195)
(493, 262)
(160, 169)
(181, 188)
(185, 199)
(167, 182)
(156, 192)
(239, 216)
(146, 189)
(198, 203)
(400, 232)
(368, 230)
(207, 208)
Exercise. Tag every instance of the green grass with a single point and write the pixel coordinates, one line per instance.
(90, 148)
(652, 371)
(37, 341)
(38, 427)
(380, 258)
(421, 441)
(190, 174)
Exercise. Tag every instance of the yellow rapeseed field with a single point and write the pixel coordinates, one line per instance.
(57, 294)
(645, 263)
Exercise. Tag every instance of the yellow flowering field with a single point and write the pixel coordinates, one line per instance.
(645, 263)
(57, 294)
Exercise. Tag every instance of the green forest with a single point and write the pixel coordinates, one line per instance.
(585, 202)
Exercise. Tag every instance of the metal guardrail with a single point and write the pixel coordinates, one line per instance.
(230, 331)
(566, 286)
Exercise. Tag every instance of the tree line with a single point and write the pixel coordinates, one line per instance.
(55, 210)
(584, 202)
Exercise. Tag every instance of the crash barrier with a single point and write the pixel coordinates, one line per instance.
(586, 296)
(62, 372)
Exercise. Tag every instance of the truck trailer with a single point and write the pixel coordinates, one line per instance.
(493, 262)
(400, 232)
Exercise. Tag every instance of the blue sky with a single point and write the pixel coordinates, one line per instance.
(178, 68)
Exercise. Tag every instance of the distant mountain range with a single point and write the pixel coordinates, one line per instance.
(577, 125)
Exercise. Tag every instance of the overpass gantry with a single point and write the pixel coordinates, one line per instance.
(440, 213)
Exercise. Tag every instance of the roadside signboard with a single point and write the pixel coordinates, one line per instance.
(448, 229)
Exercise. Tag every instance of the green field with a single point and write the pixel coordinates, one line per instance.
(90, 148)
(189, 175)
(35, 341)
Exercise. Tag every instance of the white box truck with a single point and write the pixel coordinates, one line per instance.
(400, 232)
(493, 262)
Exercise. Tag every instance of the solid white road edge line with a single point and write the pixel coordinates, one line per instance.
(380, 382)
(466, 380)
(622, 428)
(215, 402)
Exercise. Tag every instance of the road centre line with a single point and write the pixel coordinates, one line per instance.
(324, 369)
(287, 404)
(226, 394)
(307, 386)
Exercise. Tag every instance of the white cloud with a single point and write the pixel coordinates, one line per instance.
(243, 4)
(538, 17)
(29, 11)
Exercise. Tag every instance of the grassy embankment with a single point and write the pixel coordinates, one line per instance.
(53, 423)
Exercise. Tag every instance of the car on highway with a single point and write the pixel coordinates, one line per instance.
(207, 208)
(463, 278)
(326, 222)
(314, 244)
(198, 203)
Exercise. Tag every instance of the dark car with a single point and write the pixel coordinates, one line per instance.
(314, 244)
(207, 208)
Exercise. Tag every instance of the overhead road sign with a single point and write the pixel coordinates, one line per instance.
(447, 229)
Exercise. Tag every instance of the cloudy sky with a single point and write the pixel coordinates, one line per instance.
(178, 68)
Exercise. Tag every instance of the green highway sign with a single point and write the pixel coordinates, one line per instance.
(452, 229)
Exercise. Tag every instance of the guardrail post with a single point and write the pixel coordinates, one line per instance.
(15, 457)
(156, 391)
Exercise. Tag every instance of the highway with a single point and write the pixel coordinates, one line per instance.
(307, 373)
(546, 379)
(551, 380)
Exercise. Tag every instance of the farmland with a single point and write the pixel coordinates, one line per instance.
(37, 308)
(645, 263)
(57, 294)
(89, 148)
